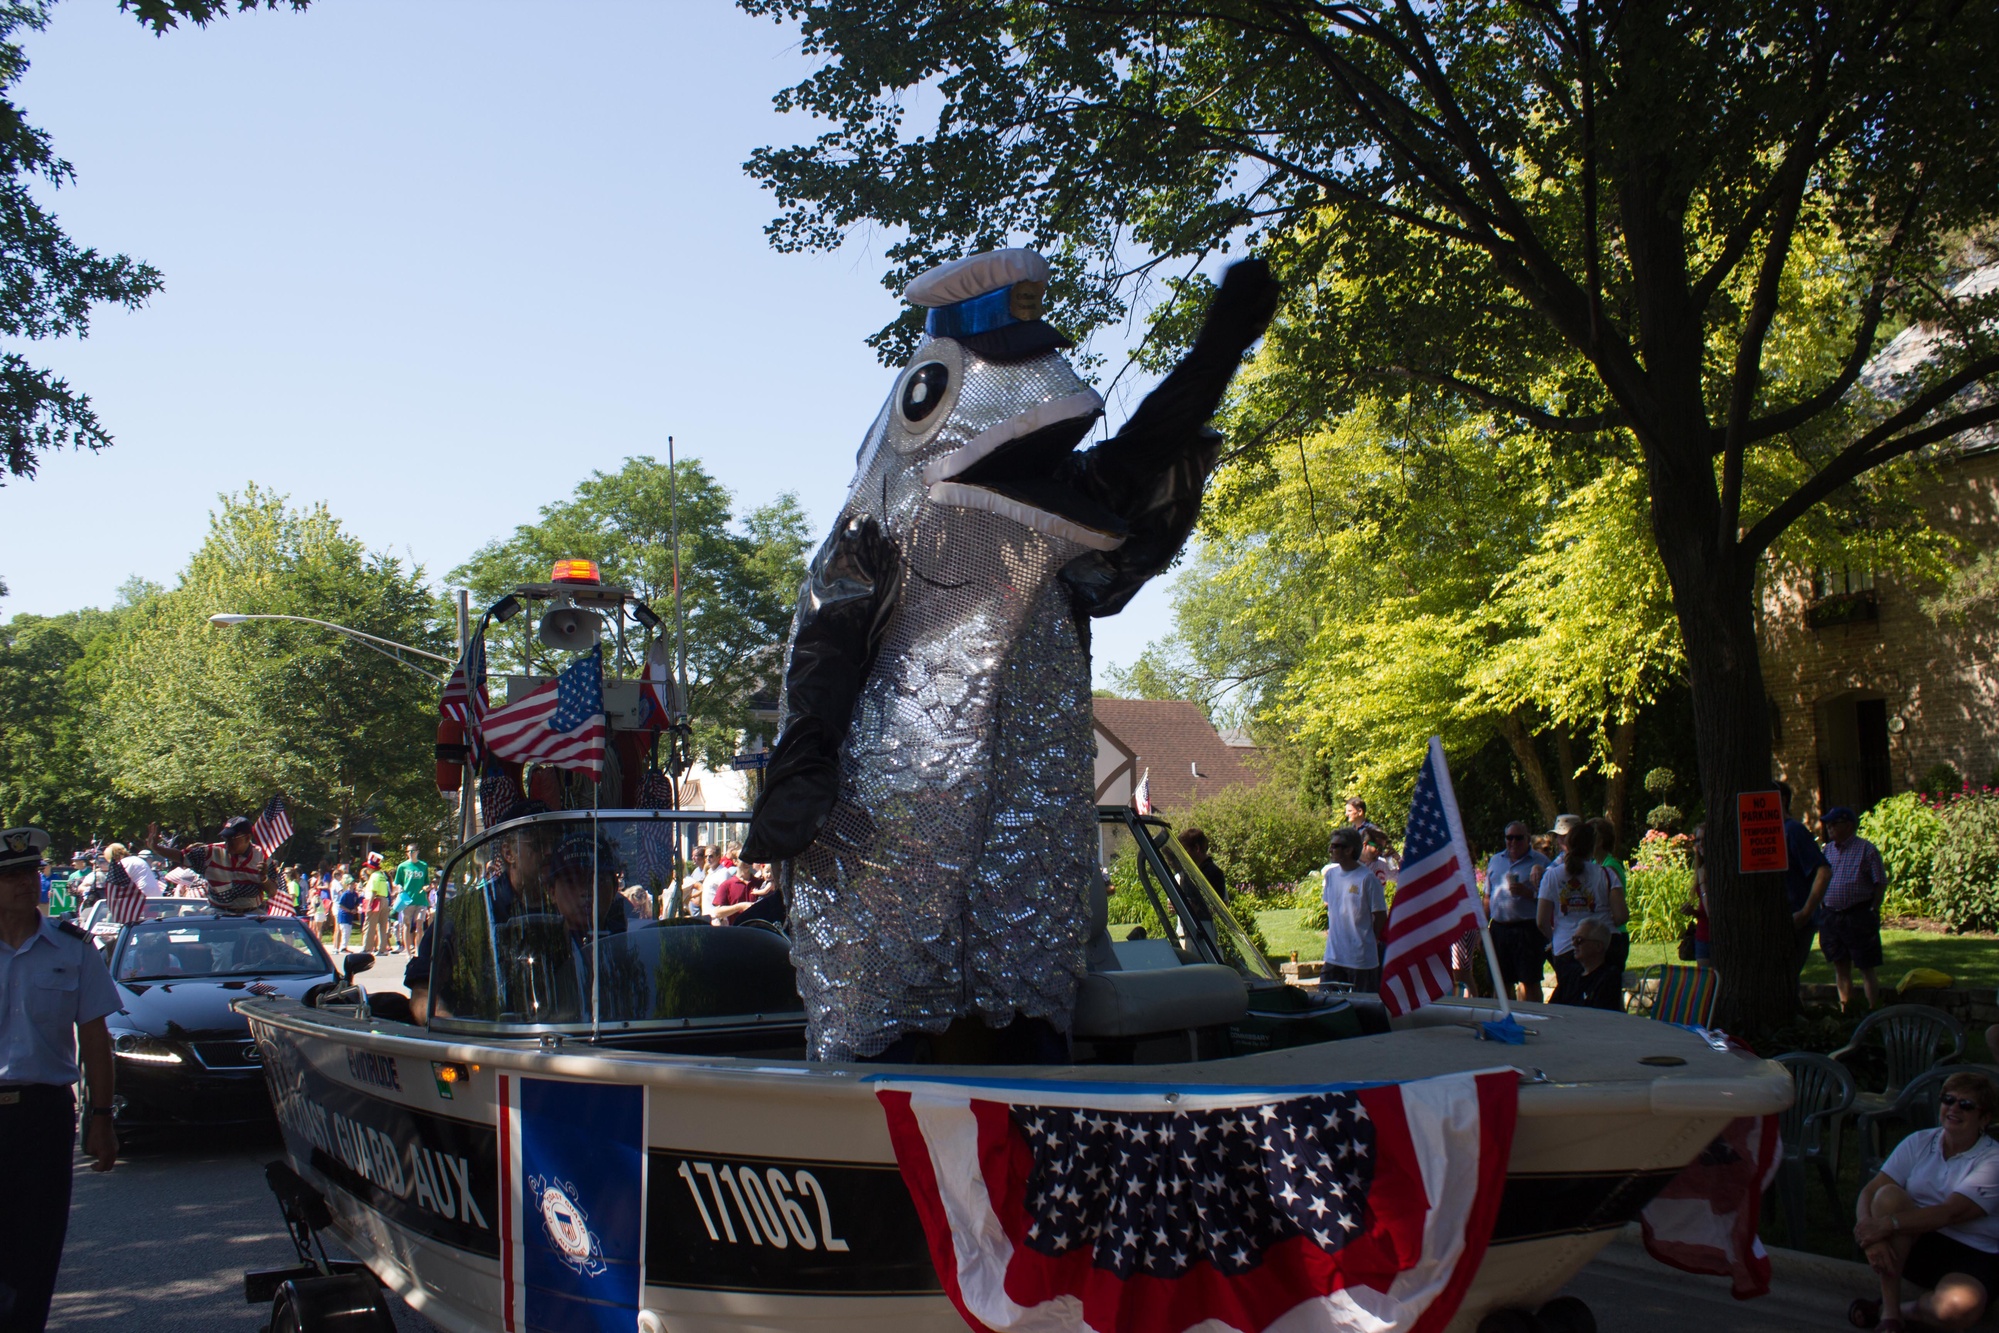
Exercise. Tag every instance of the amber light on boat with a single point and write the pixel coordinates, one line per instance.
(575, 571)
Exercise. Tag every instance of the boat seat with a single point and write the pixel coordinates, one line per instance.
(1165, 999)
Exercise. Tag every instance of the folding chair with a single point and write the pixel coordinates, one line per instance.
(1825, 1093)
(1682, 994)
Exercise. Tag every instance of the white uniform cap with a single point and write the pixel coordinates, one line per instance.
(975, 275)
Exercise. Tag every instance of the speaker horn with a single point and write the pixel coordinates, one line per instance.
(570, 629)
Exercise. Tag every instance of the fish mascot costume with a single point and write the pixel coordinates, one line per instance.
(932, 781)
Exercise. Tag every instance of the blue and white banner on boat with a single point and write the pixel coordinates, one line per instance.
(572, 1253)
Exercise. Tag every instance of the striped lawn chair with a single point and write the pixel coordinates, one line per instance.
(1682, 994)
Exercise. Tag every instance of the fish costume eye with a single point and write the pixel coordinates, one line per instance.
(923, 392)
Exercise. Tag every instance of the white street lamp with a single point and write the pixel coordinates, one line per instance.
(224, 619)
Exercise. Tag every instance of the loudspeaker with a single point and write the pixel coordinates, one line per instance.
(570, 629)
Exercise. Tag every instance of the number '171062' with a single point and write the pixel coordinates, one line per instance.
(769, 1209)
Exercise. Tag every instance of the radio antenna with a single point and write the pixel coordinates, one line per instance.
(679, 719)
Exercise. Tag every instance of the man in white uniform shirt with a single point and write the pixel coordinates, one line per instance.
(1356, 916)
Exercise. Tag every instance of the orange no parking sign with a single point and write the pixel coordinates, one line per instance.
(1759, 827)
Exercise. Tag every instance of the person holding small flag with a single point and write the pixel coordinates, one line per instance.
(235, 867)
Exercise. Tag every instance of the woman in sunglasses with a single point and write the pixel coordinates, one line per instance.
(1927, 1219)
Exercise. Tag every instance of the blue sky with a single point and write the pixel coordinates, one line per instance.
(432, 263)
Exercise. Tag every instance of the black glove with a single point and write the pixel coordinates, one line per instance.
(848, 594)
(1152, 472)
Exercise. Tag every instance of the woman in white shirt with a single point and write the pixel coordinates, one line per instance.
(1573, 890)
(1927, 1218)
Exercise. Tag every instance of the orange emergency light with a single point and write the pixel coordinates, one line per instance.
(575, 571)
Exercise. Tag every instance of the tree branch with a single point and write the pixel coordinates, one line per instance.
(1608, 419)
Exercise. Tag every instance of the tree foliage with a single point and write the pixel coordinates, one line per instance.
(739, 580)
(191, 723)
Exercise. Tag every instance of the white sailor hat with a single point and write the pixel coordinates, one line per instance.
(991, 302)
(22, 847)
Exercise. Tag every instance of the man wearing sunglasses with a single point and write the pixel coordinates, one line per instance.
(1927, 1220)
(1511, 878)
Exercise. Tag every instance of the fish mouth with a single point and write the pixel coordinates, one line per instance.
(1024, 469)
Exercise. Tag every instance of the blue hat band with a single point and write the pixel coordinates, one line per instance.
(980, 314)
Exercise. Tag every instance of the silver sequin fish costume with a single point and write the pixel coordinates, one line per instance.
(932, 782)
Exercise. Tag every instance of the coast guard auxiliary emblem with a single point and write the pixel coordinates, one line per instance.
(566, 1225)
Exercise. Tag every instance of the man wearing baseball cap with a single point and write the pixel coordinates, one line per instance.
(54, 994)
(1850, 935)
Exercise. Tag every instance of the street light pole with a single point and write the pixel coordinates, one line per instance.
(223, 620)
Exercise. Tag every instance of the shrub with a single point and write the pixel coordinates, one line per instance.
(1662, 851)
(1310, 897)
(1940, 783)
(1243, 908)
(1260, 836)
(1659, 782)
(1906, 829)
(1654, 897)
(1964, 873)
(1665, 818)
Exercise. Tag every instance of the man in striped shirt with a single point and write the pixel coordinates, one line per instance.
(235, 867)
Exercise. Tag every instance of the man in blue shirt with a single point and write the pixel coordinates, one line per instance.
(54, 994)
(1805, 880)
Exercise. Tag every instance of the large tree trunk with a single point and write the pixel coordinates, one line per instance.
(1617, 791)
(1565, 760)
(1520, 739)
(1713, 592)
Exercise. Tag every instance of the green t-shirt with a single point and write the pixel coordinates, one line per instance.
(1616, 867)
(412, 882)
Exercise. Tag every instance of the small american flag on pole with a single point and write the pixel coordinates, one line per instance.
(273, 828)
(128, 900)
(1435, 900)
(1141, 796)
(464, 699)
(561, 724)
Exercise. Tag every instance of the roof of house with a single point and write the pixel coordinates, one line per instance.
(1187, 757)
(1916, 344)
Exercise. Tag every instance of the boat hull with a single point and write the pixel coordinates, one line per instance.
(403, 1132)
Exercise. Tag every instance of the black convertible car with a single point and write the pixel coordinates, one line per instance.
(183, 1055)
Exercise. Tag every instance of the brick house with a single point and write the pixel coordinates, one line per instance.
(1869, 690)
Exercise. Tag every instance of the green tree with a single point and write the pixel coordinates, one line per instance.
(47, 777)
(738, 587)
(1693, 224)
(194, 723)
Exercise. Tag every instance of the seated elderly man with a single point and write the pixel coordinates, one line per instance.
(1598, 985)
(1928, 1219)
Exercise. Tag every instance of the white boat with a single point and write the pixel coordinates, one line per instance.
(768, 1189)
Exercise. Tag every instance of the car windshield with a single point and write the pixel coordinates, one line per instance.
(219, 947)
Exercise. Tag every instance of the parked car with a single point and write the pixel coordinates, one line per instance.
(183, 1056)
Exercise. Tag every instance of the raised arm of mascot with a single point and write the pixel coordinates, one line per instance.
(932, 779)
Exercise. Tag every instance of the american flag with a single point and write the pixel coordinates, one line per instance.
(127, 900)
(561, 724)
(273, 828)
(464, 699)
(1141, 796)
(656, 845)
(1064, 1206)
(1435, 900)
(264, 989)
(499, 794)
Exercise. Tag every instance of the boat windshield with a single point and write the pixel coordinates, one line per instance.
(1200, 920)
(598, 920)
